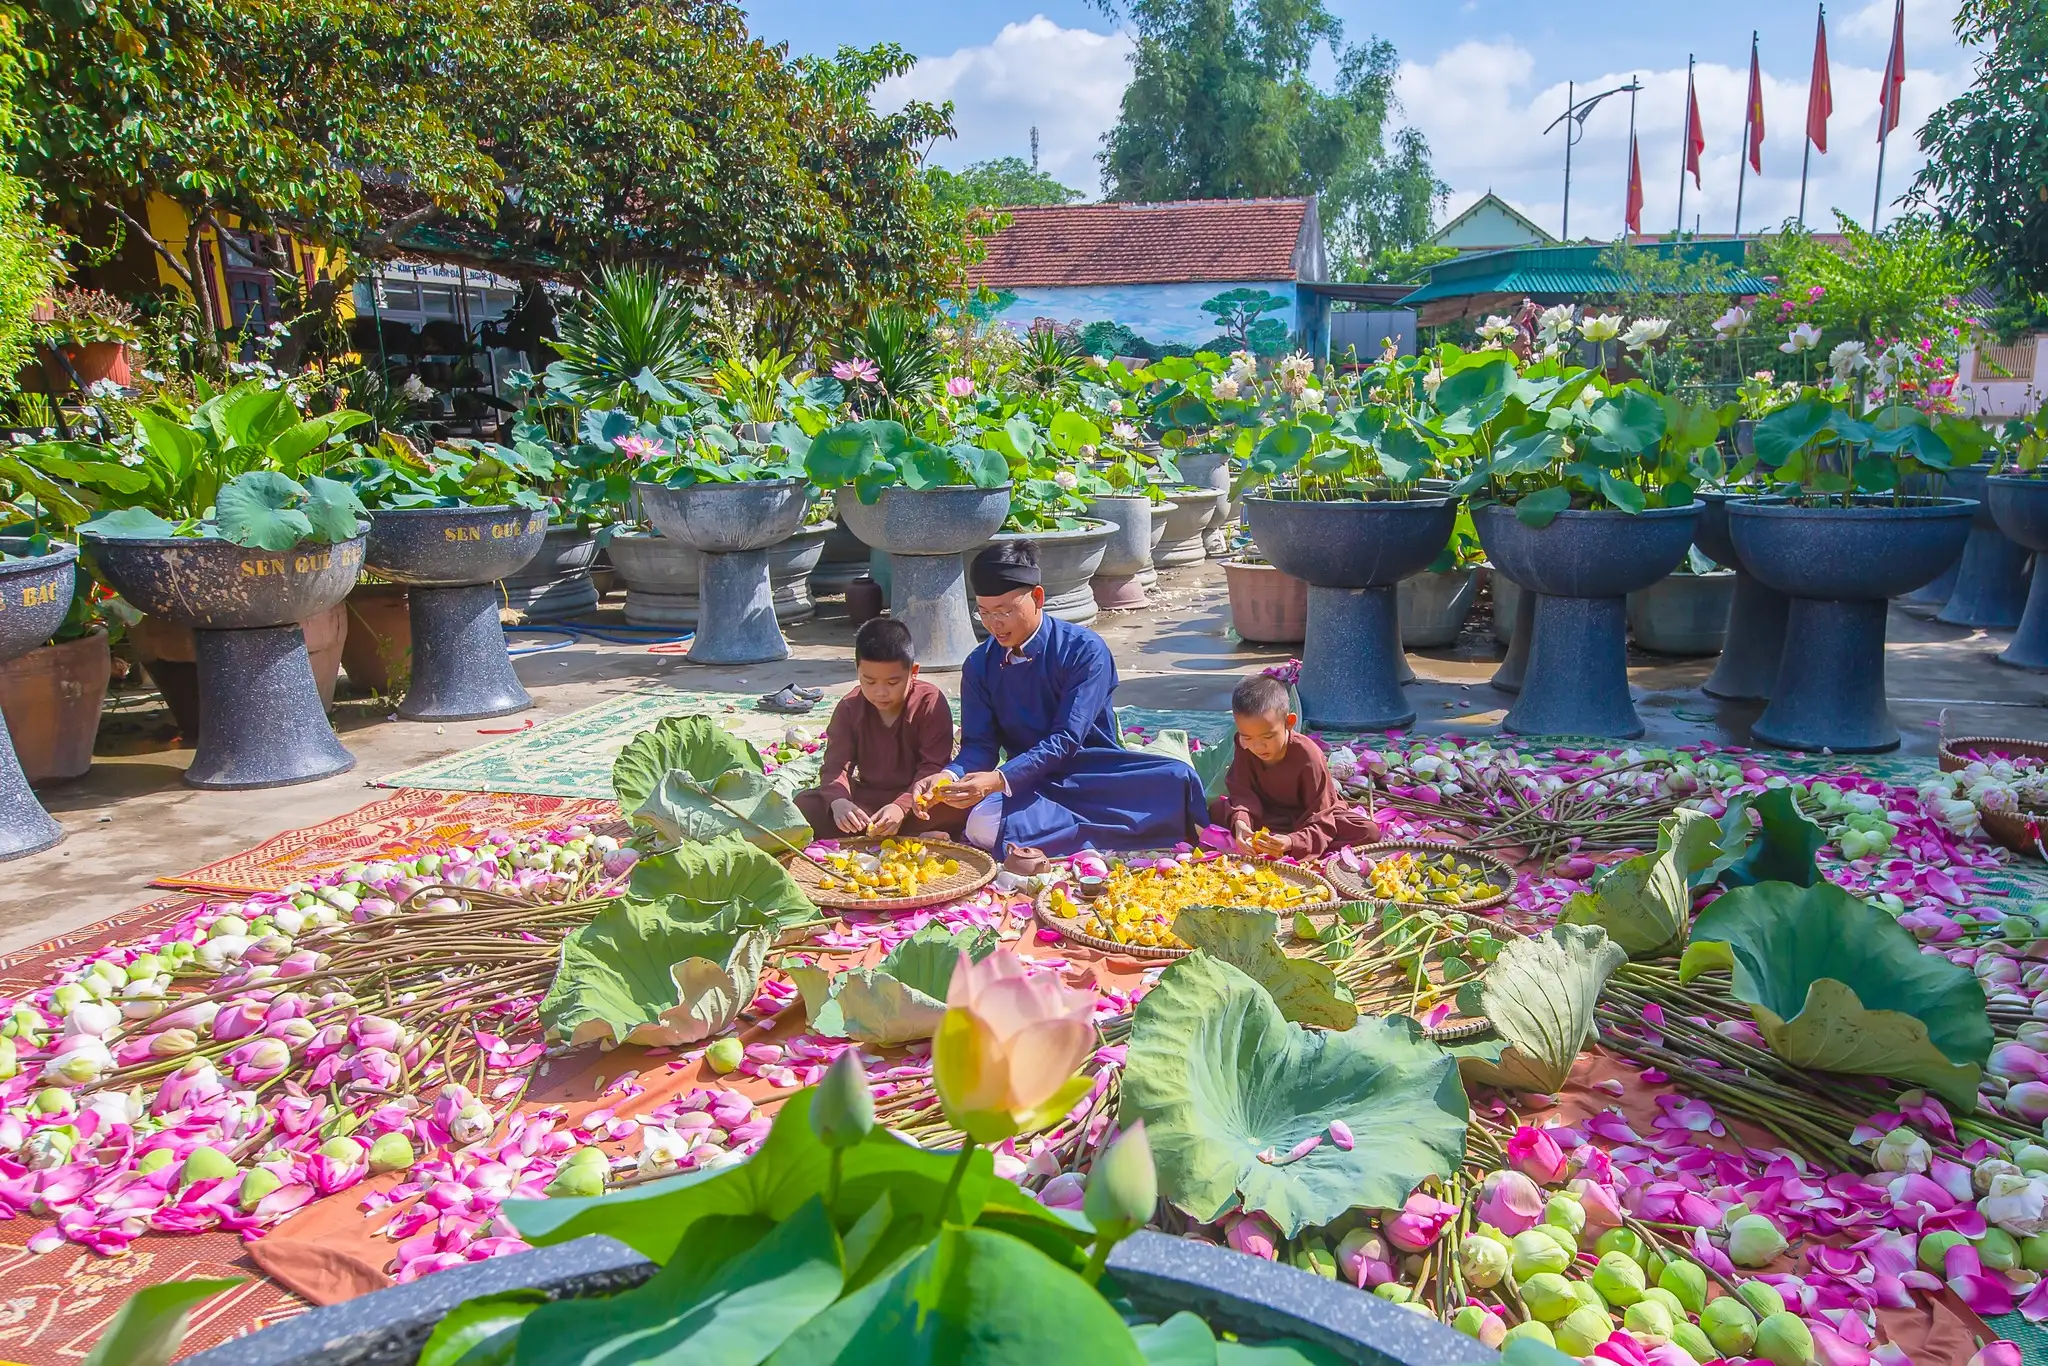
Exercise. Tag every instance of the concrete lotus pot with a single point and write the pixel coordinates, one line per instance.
(51, 700)
(1434, 606)
(1580, 569)
(36, 593)
(1991, 578)
(2020, 503)
(451, 560)
(1267, 607)
(556, 583)
(1683, 614)
(1514, 625)
(924, 532)
(1126, 568)
(1183, 534)
(1352, 553)
(260, 718)
(1067, 561)
(1753, 642)
(169, 655)
(1839, 565)
(731, 527)
(1209, 469)
(845, 559)
(661, 575)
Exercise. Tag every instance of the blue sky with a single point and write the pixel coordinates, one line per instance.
(1480, 78)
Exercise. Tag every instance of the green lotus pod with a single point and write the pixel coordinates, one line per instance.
(1695, 1343)
(1619, 1240)
(1736, 1211)
(1549, 1296)
(1784, 1339)
(1483, 1261)
(1489, 1231)
(1647, 1318)
(155, 1160)
(1688, 1282)
(1582, 1330)
(1531, 1329)
(1657, 1294)
(1565, 1212)
(1653, 1264)
(1619, 1279)
(1934, 1249)
(1999, 1250)
(1393, 1291)
(343, 1149)
(206, 1164)
(1587, 1295)
(1534, 1253)
(725, 1055)
(1761, 1298)
(581, 1177)
(257, 1182)
(1753, 1240)
(1562, 1236)
(1730, 1326)
(2034, 1253)
(2032, 1159)
(391, 1152)
(1469, 1320)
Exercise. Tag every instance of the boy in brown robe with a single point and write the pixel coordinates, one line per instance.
(1278, 797)
(890, 731)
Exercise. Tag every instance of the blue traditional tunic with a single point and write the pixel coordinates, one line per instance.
(1072, 786)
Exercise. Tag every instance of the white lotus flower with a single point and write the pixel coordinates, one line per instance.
(2017, 1203)
(1311, 398)
(1733, 323)
(416, 390)
(1902, 1150)
(1433, 381)
(1847, 359)
(1601, 327)
(663, 1149)
(94, 1018)
(1067, 480)
(1801, 338)
(1497, 331)
(1124, 432)
(1643, 331)
(1244, 367)
(82, 1061)
(1555, 321)
(1225, 388)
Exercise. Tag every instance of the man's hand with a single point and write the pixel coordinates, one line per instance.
(886, 822)
(849, 818)
(972, 788)
(922, 791)
(1266, 844)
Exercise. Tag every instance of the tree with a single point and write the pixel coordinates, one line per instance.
(1220, 105)
(1240, 315)
(1905, 281)
(31, 264)
(1002, 183)
(1987, 149)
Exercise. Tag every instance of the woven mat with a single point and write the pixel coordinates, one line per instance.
(572, 755)
(31, 967)
(406, 822)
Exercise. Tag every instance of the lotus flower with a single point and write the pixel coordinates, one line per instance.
(960, 386)
(1510, 1201)
(2017, 1203)
(1536, 1154)
(1643, 331)
(1801, 338)
(1252, 1234)
(1601, 327)
(1364, 1259)
(1065, 1191)
(2028, 1101)
(1006, 1056)
(192, 1085)
(80, 1060)
(1902, 1150)
(258, 1060)
(1420, 1223)
(1733, 323)
(1848, 359)
(856, 368)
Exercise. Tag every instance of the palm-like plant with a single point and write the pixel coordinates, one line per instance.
(1051, 358)
(631, 342)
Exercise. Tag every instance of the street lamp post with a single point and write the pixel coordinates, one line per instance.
(1574, 119)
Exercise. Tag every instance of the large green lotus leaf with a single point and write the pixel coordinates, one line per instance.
(1306, 990)
(1780, 848)
(1834, 983)
(1539, 995)
(739, 801)
(259, 509)
(635, 975)
(901, 999)
(696, 745)
(1219, 1077)
(697, 881)
(1211, 762)
(1643, 902)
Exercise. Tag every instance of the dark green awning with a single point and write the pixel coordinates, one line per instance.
(1560, 274)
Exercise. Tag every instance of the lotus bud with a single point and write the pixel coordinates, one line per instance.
(1123, 1187)
(1619, 1279)
(1530, 1328)
(581, 1177)
(2028, 1100)
(2034, 1253)
(103, 979)
(295, 1034)
(1648, 1318)
(51, 1101)
(1983, 1172)
(1584, 1292)
(725, 1055)
(258, 1060)
(1784, 1339)
(1996, 1354)
(26, 1024)
(1420, 1223)
(1687, 1281)
(1619, 1240)
(1563, 1211)
(1065, 1191)
(1363, 1259)
(155, 1160)
(206, 1164)
(142, 967)
(1582, 1330)
(2015, 1062)
(1998, 1250)
(1254, 1235)
(467, 1119)
(1536, 1154)
(1753, 1240)
(229, 924)
(1934, 1249)
(1548, 1296)
(1664, 1297)
(1762, 1298)
(1729, 1326)
(1695, 1344)
(1510, 1201)
(1483, 1260)
(2032, 1157)
(47, 1148)
(374, 1031)
(1536, 1253)
(257, 1182)
(343, 1149)
(1602, 1209)
(9, 1064)
(1902, 1150)
(172, 1043)
(391, 1152)
(843, 1106)
(93, 1019)
(1393, 1292)
(64, 999)
(82, 1061)
(1559, 1234)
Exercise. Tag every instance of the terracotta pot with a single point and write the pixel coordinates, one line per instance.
(378, 650)
(51, 698)
(169, 655)
(96, 361)
(1266, 606)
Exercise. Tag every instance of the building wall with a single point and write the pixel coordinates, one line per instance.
(1158, 313)
(2011, 386)
(168, 223)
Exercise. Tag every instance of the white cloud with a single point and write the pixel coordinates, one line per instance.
(1069, 82)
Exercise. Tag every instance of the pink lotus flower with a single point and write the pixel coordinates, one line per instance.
(1510, 1201)
(1537, 1155)
(1064, 1191)
(373, 1067)
(1008, 1054)
(1999, 1353)
(1983, 1292)
(258, 1060)
(856, 369)
(1420, 1223)
(191, 1085)
(960, 386)
(1254, 1235)
(238, 1021)
(640, 449)
(1603, 1209)
(1363, 1259)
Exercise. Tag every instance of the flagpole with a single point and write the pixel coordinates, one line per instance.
(1748, 121)
(1807, 160)
(1684, 145)
(1888, 105)
(1877, 195)
(1634, 84)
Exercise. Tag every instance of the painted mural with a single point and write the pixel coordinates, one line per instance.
(1163, 315)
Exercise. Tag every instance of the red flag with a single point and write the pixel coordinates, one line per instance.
(1820, 92)
(1634, 216)
(1756, 111)
(1894, 76)
(1695, 136)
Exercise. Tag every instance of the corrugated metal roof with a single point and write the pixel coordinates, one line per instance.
(1559, 273)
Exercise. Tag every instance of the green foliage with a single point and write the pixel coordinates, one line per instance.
(1643, 903)
(1241, 315)
(1780, 847)
(686, 779)
(458, 473)
(148, 1327)
(1305, 990)
(1539, 994)
(635, 974)
(877, 454)
(629, 341)
(31, 264)
(907, 360)
(995, 184)
(901, 999)
(700, 880)
(1903, 281)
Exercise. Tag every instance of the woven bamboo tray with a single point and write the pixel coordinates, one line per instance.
(1352, 887)
(1950, 753)
(1070, 928)
(977, 870)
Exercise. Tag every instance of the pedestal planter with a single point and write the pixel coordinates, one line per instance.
(1991, 578)
(450, 560)
(51, 700)
(1839, 566)
(1210, 470)
(1580, 569)
(1067, 561)
(1121, 580)
(731, 526)
(169, 654)
(1514, 625)
(845, 559)
(1352, 554)
(36, 592)
(1183, 535)
(2021, 506)
(1683, 614)
(260, 722)
(556, 584)
(1754, 640)
(924, 532)
(660, 575)
(1267, 607)
(378, 650)
(1434, 606)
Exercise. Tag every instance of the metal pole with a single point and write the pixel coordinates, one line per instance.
(1684, 146)
(1748, 122)
(1571, 91)
(1630, 173)
(377, 317)
(1807, 160)
(1877, 195)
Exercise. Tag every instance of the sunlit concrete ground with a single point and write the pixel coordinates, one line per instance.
(131, 818)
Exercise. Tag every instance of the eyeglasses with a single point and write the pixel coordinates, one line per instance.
(997, 615)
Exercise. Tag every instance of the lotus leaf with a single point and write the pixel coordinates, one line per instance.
(636, 975)
(1643, 902)
(697, 881)
(1780, 848)
(902, 998)
(1539, 995)
(1224, 1083)
(1211, 761)
(739, 801)
(1305, 990)
(696, 745)
(1835, 984)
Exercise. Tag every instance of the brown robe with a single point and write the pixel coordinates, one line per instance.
(1293, 796)
(872, 764)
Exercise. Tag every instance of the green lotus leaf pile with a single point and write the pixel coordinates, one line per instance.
(685, 778)
(1643, 902)
(902, 998)
(1780, 847)
(695, 882)
(1539, 995)
(633, 975)
(1305, 990)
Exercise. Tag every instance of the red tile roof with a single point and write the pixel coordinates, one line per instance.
(1145, 244)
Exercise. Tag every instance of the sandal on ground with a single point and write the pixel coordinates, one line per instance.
(789, 701)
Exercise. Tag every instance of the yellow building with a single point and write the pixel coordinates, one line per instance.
(237, 280)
